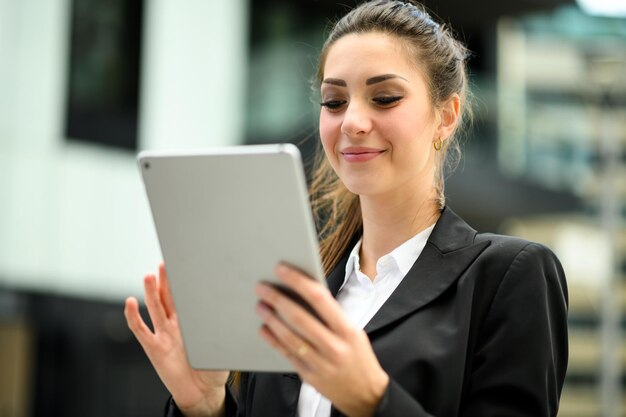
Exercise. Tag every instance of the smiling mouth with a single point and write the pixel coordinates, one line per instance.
(360, 155)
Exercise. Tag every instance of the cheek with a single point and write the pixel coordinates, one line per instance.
(410, 127)
(330, 128)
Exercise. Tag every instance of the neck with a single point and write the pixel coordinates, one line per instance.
(390, 221)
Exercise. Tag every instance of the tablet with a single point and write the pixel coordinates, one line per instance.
(225, 217)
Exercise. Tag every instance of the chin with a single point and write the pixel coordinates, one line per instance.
(361, 187)
(361, 183)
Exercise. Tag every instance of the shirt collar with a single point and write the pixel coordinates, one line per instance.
(407, 253)
(353, 262)
(404, 255)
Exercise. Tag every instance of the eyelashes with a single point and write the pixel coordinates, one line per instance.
(385, 101)
(333, 104)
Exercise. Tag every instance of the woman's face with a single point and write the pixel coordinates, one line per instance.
(377, 122)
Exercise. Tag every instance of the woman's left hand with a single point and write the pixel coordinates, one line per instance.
(334, 357)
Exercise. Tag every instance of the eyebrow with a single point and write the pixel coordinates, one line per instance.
(335, 81)
(381, 78)
(369, 81)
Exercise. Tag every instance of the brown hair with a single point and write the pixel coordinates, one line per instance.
(442, 60)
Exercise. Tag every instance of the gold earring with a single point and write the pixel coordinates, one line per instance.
(438, 145)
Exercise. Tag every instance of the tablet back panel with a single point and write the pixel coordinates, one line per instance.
(225, 218)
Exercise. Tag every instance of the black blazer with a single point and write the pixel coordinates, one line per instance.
(478, 327)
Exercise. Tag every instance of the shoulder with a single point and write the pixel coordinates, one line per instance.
(515, 273)
(498, 256)
(520, 273)
(510, 250)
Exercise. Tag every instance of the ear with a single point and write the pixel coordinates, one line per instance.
(449, 116)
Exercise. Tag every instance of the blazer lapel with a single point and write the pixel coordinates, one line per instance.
(448, 252)
(337, 276)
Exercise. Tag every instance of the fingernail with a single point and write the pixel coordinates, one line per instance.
(281, 269)
(260, 290)
(262, 310)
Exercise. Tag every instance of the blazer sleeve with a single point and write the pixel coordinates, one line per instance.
(519, 361)
(172, 410)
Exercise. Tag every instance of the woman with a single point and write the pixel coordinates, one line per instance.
(425, 316)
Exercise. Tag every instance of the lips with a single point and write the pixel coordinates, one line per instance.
(360, 154)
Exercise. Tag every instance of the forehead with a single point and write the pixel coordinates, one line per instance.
(362, 55)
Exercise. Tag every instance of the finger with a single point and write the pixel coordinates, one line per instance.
(284, 334)
(153, 302)
(317, 296)
(165, 292)
(135, 321)
(299, 364)
(303, 356)
(296, 317)
(273, 341)
(298, 350)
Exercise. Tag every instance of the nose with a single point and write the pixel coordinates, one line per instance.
(356, 120)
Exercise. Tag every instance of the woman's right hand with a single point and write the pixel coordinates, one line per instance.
(196, 393)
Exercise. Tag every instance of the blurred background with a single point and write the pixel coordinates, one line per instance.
(86, 84)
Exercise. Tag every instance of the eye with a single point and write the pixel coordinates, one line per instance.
(333, 105)
(387, 100)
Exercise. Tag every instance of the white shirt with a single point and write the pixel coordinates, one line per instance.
(360, 298)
